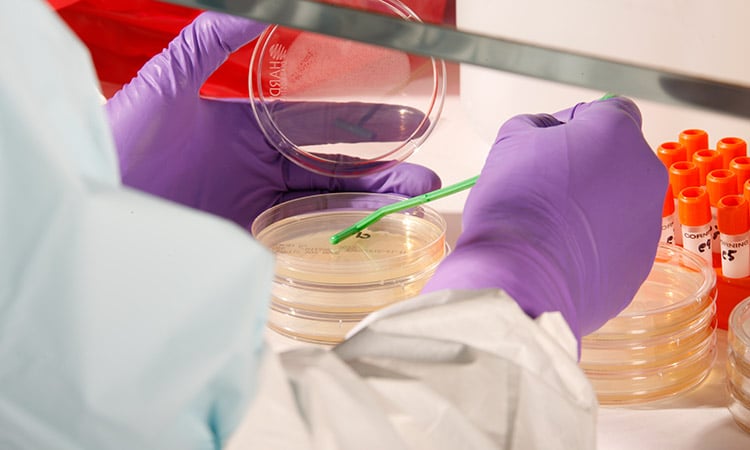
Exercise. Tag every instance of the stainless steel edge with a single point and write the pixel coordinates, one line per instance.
(459, 46)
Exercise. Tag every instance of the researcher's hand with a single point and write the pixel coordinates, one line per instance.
(210, 154)
(565, 215)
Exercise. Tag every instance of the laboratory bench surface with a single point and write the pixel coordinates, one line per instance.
(694, 420)
(698, 419)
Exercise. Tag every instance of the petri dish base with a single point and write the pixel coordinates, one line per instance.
(738, 364)
(320, 291)
(664, 343)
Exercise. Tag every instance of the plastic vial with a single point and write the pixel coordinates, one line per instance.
(695, 218)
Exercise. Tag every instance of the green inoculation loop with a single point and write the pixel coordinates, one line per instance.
(608, 95)
(400, 206)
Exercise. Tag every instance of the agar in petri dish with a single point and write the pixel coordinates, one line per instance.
(738, 364)
(343, 108)
(320, 291)
(664, 343)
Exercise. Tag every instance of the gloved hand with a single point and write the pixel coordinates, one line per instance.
(210, 154)
(565, 215)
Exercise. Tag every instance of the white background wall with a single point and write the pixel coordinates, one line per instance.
(698, 37)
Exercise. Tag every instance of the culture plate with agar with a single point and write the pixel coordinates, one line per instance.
(664, 343)
(738, 364)
(343, 108)
(320, 291)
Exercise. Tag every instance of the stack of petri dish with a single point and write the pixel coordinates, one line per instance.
(320, 290)
(664, 343)
(738, 364)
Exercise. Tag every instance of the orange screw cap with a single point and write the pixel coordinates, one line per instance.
(720, 182)
(730, 148)
(732, 215)
(694, 208)
(671, 152)
(693, 140)
(683, 174)
(707, 160)
(741, 167)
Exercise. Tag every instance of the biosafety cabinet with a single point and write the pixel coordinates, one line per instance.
(685, 63)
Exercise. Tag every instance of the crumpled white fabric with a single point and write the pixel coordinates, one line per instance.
(126, 322)
(449, 370)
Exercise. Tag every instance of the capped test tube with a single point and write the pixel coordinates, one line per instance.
(695, 217)
(730, 148)
(682, 174)
(693, 140)
(719, 183)
(734, 228)
(741, 167)
(667, 217)
(707, 160)
(671, 152)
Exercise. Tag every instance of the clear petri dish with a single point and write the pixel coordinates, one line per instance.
(320, 291)
(655, 352)
(738, 364)
(664, 343)
(343, 108)
(621, 386)
(679, 287)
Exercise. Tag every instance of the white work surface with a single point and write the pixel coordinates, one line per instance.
(694, 420)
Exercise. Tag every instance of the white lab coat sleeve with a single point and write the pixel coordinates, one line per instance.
(126, 322)
(448, 370)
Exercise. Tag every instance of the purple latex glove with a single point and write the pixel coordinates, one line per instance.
(565, 215)
(210, 154)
